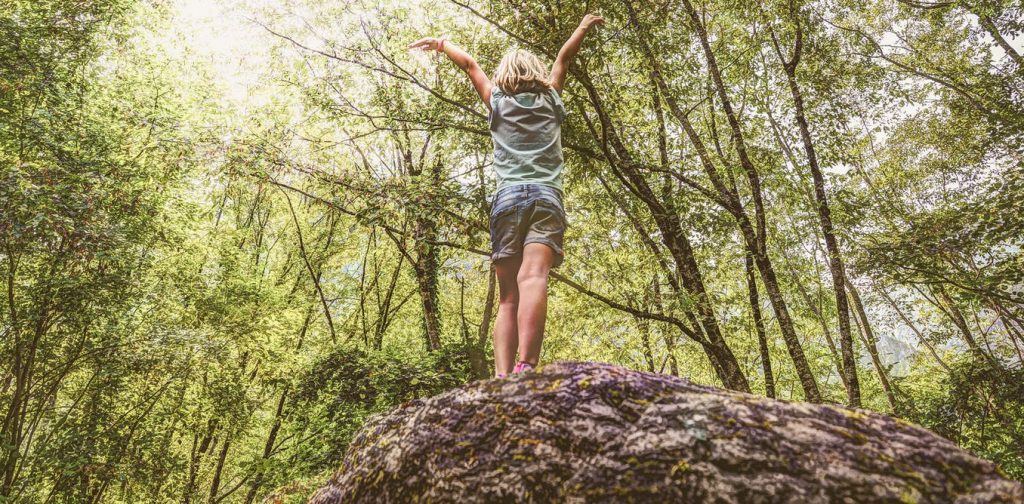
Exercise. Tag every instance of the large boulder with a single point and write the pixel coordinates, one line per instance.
(583, 432)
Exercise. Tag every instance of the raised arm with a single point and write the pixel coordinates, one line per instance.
(568, 51)
(464, 61)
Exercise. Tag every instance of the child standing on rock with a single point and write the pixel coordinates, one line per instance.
(527, 218)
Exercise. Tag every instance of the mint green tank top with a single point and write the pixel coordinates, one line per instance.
(526, 129)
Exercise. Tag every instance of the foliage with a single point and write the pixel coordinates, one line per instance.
(231, 232)
(980, 408)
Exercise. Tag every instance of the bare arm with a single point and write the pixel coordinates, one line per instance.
(463, 60)
(568, 51)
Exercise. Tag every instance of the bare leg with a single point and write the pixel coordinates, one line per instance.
(506, 336)
(533, 294)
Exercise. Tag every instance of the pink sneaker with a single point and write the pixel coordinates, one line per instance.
(522, 367)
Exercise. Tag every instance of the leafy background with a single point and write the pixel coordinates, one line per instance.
(229, 232)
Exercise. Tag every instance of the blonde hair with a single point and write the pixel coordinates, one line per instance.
(520, 71)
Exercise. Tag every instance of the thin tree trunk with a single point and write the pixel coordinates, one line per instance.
(670, 341)
(426, 267)
(816, 310)
(762, 339)
(678, 245)
(10, 426)
(268, 446)
(215, 484)
(764, 264)
(958, 319)
(309, 267)
(426, 279)
(1012, 333)
(384, 310)
(362, 296)
(868, 335)
(916, 331)
(199, 449)
(786, 326)
(24, 372)
(825, 219)
(682, 251)
(645, 341)
(645, 237)
(953, 312)
(480, 364)
(483, 367)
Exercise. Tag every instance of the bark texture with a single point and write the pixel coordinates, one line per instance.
(583, 432)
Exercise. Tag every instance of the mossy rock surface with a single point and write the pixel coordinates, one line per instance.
(585, 432)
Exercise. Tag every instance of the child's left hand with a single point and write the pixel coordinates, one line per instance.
(426, 44)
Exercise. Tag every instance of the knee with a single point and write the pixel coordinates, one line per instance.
(532, 274)
(508, 300)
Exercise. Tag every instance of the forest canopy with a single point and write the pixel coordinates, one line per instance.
(232, 231)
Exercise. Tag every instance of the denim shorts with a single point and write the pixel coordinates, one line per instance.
(527, 213)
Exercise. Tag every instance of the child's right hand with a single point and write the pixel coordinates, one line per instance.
(426, 44)
(591, 20)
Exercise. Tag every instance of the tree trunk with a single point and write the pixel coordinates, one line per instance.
(771, 285)
(681, 250)
(947, 305)
(916, 331)
(315, 276)
(268, 447)
(762, 339)
(669, 337)
(24, 369)
(215, 484)
(786, 326)
(645, 341)
(427, 265)
(199, 448)
(481, 367)
(679, 247)
(384, 310)
(958, 319)
(825, 220)
(426, 279)
(864, 326)
(816, 310)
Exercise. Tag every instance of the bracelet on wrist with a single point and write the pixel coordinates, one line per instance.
(440, 46)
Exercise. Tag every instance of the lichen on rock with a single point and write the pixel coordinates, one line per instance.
(585, 432)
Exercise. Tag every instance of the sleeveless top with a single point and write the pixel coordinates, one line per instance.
(526, 129)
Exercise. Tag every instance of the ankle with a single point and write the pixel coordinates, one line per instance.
(522, 367)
